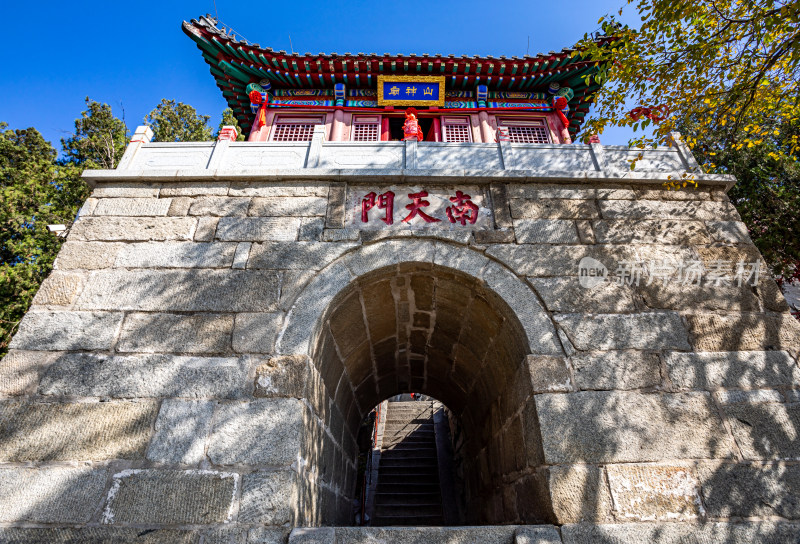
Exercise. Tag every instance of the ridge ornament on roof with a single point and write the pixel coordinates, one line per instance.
(235, 63)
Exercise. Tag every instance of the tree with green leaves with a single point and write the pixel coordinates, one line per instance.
(720, 63)
(99, 139)
(36, 191)
(726, 74)
(767, 191)
(178, 122)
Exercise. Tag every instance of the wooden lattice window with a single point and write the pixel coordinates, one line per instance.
(366, 128)
(527, 131)
(456, 129)
(294, 129)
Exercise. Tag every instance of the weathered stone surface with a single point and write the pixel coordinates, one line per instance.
(50, 331)
(94, 375)
(206, 229)
(95, 535)
(176, 333)
(268, 497)
(182, 291)
(240, 428)
(745, 490)
(216, 188)
(548, 373)
(286, 376)
(133, 228)
(543, 534)
(86, 255)
(730, 256)
(649, 231)
(673, 295)
(59, 289)
(256, 333)
(311, 229)
(536, 191)
(585, 232)
(288, 206)
(258, 229)
(149, 497)
(729, 232)
(625, 331)
(661, 193)
(558, 260)
(553, 209)
(744, 332)
(545, 231)
(657, 209)
(219, 206)
(126, 189)
(273, 189)
(771, 295)
(176, 255)
(604, 427)
(296, 255)
(179, 206)
(268, 535)
(133, 206)
(322, 535)
(752, 397)
(567, 295)
(50, 494)
(496, 534)
(654, 492)
(616, 370)
(242, 254)
(226, 534)
(765, 430)
(182, 428)
(745, 369)
(19, 371)
(82, 431)
(504, 236)
(340, 235)
(669, 533)
(578, 493)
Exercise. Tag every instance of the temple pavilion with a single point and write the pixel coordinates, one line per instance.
(279, 96)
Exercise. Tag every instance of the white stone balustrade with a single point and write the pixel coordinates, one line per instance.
(403, 161)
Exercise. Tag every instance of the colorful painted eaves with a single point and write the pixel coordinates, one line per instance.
(235, 62)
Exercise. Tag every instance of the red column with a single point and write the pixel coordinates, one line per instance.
(385, 129)
(437, 129)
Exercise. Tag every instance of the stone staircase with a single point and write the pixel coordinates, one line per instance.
(408, 491)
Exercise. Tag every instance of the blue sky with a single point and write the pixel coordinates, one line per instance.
(132, 54)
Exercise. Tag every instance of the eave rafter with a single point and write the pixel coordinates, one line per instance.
(234, 63)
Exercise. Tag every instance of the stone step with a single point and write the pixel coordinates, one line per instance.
(405, 460)
(405, 478)
(407, 497)
(408, 488)
(407, 442)
(408, 424)
(396, 509)
(387, 521)
(407, 469)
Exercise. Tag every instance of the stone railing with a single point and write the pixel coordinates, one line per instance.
(397, 161)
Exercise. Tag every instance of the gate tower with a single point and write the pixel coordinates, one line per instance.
(615, 361)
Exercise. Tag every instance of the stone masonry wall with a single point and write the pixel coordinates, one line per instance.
(148, 398)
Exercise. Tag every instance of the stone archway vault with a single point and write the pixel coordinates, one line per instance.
(422, 316)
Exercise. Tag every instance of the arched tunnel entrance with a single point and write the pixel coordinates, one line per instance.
(420, 327)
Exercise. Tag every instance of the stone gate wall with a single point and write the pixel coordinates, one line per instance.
(165, 385)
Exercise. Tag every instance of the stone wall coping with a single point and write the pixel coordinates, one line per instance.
(367, 175)
(408, 161)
